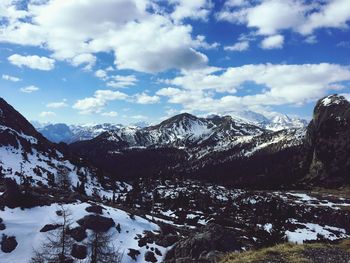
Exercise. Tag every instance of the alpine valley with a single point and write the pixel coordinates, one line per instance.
(189, 189)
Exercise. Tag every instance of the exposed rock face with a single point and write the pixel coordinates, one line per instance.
(328, 143)
(205, 246)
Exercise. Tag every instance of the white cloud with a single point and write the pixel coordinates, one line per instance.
(46, 114)
(96, 103)
(139, 117)
(280, 85)
(194, 9)
(239, 46)
(120, 81)
(102, 74)
(272, 42)
(10, 78)
(56, 105)
(334, 14)
(143, 98)
(86, 59)
(273, 17)
(29, 89)
(109, 114)
(33, 62)
(112, 26)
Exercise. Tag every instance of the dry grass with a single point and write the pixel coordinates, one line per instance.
(345, 245)
(288, 252)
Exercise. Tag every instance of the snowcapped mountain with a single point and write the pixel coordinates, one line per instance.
(72, 133)
(61, 132)
(183, 144)
(273, 121)
(25, 155)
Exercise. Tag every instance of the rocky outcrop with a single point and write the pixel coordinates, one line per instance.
(327, 143)
(205, 246)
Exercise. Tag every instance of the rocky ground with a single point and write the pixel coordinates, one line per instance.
(198, 222)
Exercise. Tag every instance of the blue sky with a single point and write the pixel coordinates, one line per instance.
(125, 61)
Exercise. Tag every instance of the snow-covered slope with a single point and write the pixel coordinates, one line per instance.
(25, 226)
(26, 154)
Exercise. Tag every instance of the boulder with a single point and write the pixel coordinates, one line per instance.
(95, 209)
(207, 245)
(79, 251)
(96, 223)
(133, 253)
(77, 233)
(150, 257)
(50, 227)
(8, 244)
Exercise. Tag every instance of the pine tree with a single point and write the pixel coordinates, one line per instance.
(58, 245)
(63, 178)
(101, 249)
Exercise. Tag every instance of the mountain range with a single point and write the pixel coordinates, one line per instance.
(61, 132)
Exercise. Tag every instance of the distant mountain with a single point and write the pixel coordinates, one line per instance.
(185, 144)
(72, 133)
(61, 132)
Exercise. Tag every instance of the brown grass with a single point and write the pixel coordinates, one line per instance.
(345, 245)
(290, 253)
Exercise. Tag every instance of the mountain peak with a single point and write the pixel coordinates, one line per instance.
(333, 99)
(178, 118)
(11, 118)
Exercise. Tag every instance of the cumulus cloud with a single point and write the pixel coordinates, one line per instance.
(57, 105)
(280, 84)
(86, 59)
(273, 17)
(10, 78)
(112, 26)
(96, 103)
(33, 62)
(272, 42)
(143, 98)
(194, 9)
(29, 89)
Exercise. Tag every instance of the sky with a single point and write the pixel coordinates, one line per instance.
(126, 61)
